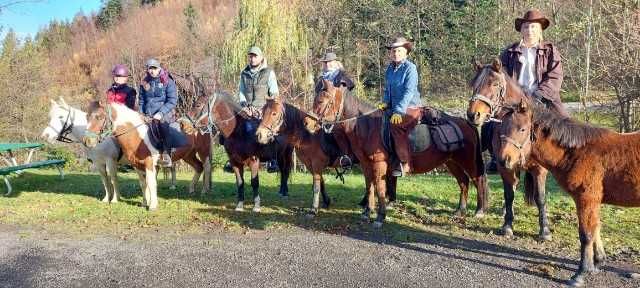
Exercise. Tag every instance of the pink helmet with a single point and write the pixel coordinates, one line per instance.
(120, 70)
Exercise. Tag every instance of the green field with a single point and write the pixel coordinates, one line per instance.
(426, 205)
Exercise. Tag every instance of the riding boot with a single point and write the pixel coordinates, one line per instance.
(272, 166)
(400, 169)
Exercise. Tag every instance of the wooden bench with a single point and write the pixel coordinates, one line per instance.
(14, 168)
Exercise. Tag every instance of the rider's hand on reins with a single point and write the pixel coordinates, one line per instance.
(396, 118)
(382, 106)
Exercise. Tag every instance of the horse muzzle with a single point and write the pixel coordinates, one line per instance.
(477, 118)
(90, 141)
(264, 136)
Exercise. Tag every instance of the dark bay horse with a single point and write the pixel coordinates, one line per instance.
(594, 165)
(361, 126)
(493, 89)
(221, 112)
(286, 120)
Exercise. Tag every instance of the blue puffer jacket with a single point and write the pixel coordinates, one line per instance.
(158, 95)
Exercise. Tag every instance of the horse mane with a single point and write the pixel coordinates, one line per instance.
(351, 101)
(569, 133)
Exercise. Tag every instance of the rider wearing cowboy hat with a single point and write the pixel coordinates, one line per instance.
(401, 101)
(333, 71)
(536, 64)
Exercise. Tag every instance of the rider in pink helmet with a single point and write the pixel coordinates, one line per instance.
(120, 92)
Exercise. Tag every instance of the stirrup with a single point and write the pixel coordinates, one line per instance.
(165, 160)
(345, 162)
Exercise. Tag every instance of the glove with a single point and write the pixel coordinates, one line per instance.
(382, 106)
(396, 118)
(157, 116)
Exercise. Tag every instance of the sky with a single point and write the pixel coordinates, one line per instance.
(27, 18)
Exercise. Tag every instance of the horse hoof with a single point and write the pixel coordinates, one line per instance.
(105, 200)
(390, 206)
(284, 197)
(240, 206)
(459, 213)
(506, 232)
(172, 187)
(576, 282)
(377, 224)
(114, 201)
(364, 217)
(310, 216)
(257, 209)
(479, 214)
(544, 237)
(152, 208)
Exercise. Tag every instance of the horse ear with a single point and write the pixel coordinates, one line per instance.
(496, 65)
(326, 84)
(62, 102)
(53, 102)
(523, 106)
(476, 64)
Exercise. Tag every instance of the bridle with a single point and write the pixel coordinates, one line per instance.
(328, 126)
(274, 128)
(519, 146)
(67, 127)
(494, 105)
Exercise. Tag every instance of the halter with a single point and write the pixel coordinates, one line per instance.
(274, 128)
(107, 128)
(519, 146)
(494, 106)
(67, 127)
(328, 126)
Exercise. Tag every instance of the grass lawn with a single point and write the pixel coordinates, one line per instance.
(426, 205)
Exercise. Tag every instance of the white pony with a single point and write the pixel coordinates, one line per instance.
(68, 124)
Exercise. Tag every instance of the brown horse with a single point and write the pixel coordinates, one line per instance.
(132, 133)
(594, 165)
(222, 114)
(284, 119)
(361, 125)
(493, 89)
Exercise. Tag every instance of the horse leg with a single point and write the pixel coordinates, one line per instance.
(105, 182)
(392, 184)
(540, 176)
(463, 183)
(206, 188)
(172, 170)
(588, 221)
(509, 184)
(238, 170)
(197, 170)
(112, 173)
(152, 188)
(255, 185)
(598, 249)
(482, 187)
(317, 187)
(379, 171)
(285, 161)
(143, 187)
(326, 200)
(368, 194)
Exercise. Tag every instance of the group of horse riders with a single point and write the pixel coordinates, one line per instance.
(535, 64)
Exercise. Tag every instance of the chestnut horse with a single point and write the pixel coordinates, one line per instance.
(219, 112)
(132, 133)
(594, 165)
(361, 125)
(492, 89)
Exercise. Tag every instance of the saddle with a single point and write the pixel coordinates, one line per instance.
(435, 127)
(162, 136)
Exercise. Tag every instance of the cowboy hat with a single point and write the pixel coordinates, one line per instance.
(329, 57)
(400, 42)
(532, 16)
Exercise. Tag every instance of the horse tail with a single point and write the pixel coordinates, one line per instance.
(530, 191)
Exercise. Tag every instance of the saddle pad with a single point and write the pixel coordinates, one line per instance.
(447, 137)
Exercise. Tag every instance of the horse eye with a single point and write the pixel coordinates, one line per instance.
(273, 113)
(60, 117)
(522, 130)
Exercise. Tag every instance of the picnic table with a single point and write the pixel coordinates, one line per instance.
(8, 156)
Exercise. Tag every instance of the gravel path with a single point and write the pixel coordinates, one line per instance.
(287, 258)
